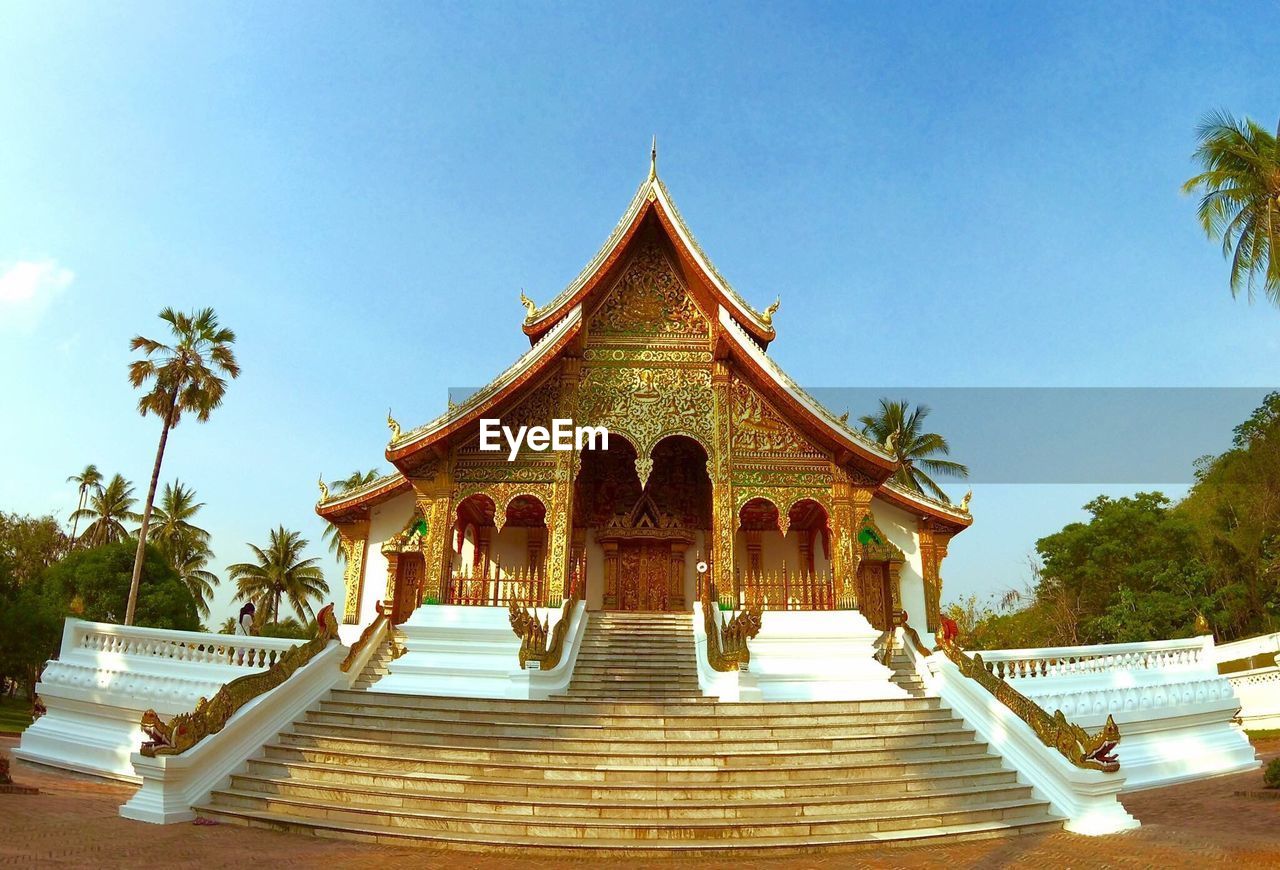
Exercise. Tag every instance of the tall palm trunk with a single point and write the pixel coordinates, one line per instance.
(146, 512)
(75, 520)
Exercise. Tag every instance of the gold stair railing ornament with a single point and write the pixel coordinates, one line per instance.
(1089, 751)
(185, 730)
(365, 636)
(539, 642)
(727, 646)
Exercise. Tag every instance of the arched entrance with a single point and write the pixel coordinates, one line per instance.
(784, 560)
(498, 557)
(642, 542)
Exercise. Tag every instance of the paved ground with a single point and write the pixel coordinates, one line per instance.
(73, 823)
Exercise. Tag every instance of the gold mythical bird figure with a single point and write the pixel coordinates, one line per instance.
(324, 490)
(767, 316)
(393, 426)
(964, 502)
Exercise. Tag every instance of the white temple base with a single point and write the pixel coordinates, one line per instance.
(461, 652)
(819, 655)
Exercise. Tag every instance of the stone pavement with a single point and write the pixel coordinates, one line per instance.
(73, 823)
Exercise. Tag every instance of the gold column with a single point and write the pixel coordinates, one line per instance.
(724, 519)
(351, 540)
(435, 500)
(610, 599)
(850, 503)
(560, 516)
(933, 549)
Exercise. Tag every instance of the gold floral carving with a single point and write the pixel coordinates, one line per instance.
(758, 428)
(784, 498)
(352, 544)
(650, 299)
(724, 517)
(645, 405)
(560, 514)
(502, 494)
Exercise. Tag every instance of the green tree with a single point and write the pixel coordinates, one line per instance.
(184, 544)
(355, 480)
(185, 377)
(94, 584)
(280, 572)
(29, 545)
(899, 428)
(87, 481)
(1241, 198)
(108, 511)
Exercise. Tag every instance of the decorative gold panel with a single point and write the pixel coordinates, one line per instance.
(650, 299)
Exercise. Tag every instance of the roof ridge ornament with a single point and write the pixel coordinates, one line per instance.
(653, 159)
(766, 317)
(530, 307)
(393, 426)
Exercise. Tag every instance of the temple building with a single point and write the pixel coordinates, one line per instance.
(714, 455)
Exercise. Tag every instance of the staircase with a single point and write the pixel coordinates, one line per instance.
(904, 672)
(647, 656)
(377, 667)
(632, 759)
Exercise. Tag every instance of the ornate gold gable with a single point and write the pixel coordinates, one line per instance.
(645, 522)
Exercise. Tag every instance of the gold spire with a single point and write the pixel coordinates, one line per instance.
(653, 159)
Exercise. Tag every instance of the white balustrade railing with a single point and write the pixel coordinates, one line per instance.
(240, 651)
(1074, 661)
(1263, 645)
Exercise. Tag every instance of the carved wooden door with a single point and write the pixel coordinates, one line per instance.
(874, 598)
(408, 585)
(643, 580)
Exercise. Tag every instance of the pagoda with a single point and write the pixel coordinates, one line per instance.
(716, 460)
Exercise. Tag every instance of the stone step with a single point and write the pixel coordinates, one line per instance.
(723, 710)
(625, 715)
(983, 773)
(817, 769)
(946, 746)
(705, 730)
(625, 830)
(631, 810)
(578, 846)
(609, 742)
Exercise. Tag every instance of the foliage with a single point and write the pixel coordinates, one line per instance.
(899, 428)
(1142, 568)
(1241, 201)
(280, 572)
(88, 481)
(228, 626)
(15, 714)
(30, 544)
(184, 545)
(1271, 777)
(108, 509)
(290, 628)
(185, 377)
(94, 585)
(30, 626)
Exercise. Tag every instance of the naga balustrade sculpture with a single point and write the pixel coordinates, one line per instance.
(539, 642)
(1082, 749)
(185, 730)
(369, 631)
(727, 645)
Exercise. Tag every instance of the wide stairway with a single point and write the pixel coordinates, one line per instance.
(630, 762)
(637, 655)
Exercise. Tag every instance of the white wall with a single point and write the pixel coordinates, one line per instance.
(901, 528)
(386, 520)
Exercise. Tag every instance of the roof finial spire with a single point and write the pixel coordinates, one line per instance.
(653, 159)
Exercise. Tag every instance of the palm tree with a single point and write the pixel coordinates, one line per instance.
(352, 481)
(280, 572)
(898, 428)
(108, 509)
(184, 545)
(1241, 202)
(185, 378)
(171, 519)
(87, 481)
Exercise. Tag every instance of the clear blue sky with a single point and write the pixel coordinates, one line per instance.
(944, 196)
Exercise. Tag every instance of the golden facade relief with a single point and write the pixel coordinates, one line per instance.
(650, 299)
